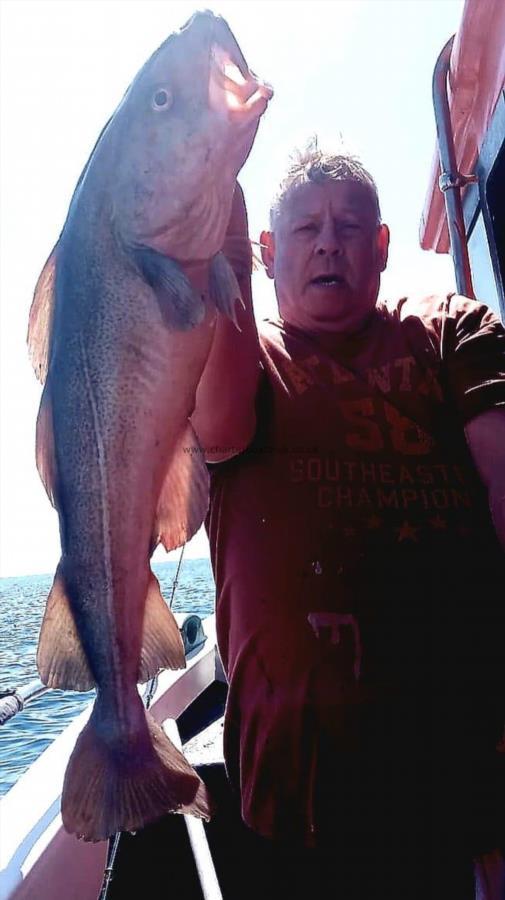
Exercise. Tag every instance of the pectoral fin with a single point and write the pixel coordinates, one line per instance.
(41, 318)
(184, 496)
(60, 657)
(180, 305)
(162, 646)
(224, 288)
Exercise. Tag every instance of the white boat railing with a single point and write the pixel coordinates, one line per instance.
(14, 700)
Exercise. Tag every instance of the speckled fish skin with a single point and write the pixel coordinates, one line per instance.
(121, 337)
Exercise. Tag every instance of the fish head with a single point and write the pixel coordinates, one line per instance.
(179, 138)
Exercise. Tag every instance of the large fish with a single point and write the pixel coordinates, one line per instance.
(120, 329)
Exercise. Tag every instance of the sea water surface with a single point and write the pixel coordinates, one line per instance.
(22, 604)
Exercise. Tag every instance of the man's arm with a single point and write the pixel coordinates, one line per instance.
(224, 417)
(472, 346)
(486, 439)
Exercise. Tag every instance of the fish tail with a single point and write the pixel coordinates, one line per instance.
(122, 785)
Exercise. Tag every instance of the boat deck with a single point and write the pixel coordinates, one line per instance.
(157, 862)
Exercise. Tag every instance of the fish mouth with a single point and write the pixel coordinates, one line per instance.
(233, 88)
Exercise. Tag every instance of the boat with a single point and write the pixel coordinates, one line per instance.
(178, 856)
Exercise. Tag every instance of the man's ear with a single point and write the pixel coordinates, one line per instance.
(383, 245)
(267, 245)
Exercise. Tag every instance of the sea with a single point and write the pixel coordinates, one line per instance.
(22, 604)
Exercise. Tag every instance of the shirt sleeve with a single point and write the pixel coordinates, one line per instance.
(472, 346)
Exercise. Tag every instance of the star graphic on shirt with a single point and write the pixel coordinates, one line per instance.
(438, 523)
(373, 521)
(407, 532)
(349, 532)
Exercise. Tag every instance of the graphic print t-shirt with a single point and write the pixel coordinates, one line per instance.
(356, 567)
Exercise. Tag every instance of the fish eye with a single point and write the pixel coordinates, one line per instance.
(162, 99)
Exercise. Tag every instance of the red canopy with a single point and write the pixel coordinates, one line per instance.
(476, 79)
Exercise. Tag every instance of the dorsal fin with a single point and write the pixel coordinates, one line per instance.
(41, 318)
(45, 450)
(42, 308)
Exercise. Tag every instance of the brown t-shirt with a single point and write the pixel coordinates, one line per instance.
(359, 580)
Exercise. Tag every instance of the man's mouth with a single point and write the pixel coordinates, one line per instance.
(329, 280)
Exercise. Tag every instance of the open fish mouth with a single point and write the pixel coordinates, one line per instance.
(233, 88)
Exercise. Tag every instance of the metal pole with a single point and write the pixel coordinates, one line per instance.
(202, 856)
(451, 181)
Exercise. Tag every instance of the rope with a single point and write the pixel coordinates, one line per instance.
(14, 700)
(10, 703)
(149, 693)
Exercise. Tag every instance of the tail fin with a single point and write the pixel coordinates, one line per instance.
(112, 787)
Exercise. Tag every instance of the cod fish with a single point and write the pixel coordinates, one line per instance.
(120, 329)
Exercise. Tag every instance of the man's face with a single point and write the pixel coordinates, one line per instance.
(326, 256)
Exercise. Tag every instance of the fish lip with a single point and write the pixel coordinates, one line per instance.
(224, 37)
(249, 97)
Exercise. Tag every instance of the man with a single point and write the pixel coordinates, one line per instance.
(358, 450)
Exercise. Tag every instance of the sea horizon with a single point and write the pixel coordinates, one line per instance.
(172, 557)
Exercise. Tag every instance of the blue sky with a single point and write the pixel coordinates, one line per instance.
(359, 69)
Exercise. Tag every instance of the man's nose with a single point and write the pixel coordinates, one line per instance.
(328, 242)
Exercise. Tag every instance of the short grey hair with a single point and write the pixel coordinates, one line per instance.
(316, 165)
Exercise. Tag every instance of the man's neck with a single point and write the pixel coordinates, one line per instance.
(349, 340)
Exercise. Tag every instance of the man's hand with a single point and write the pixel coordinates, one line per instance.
(237, 247)
(224, 417)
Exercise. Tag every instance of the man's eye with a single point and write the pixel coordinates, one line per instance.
(309, 226)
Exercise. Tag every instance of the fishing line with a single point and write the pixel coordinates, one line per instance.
(176, 579)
